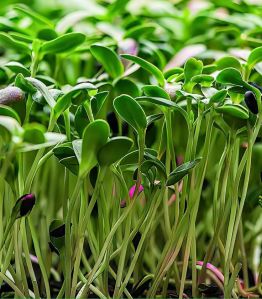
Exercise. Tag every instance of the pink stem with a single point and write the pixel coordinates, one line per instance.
(214, 269)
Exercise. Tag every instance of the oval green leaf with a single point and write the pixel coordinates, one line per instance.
(95, 136)
(155, 91)
(109, 60)
(115, 149)
(131, 112)
(230, 76)
(203, 80)
(228, 61)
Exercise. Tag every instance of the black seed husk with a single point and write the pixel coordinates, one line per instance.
(251, 102)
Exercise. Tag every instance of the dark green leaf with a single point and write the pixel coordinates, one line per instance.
(71, 163)
(154, 162)
(127, 86)
(63, 150)
(154, 117)
(181, 171)
(132, 157)
(57, 235)
(3, 76)
(98, 101)
(81, 120)
(114, 150)
(47, 34)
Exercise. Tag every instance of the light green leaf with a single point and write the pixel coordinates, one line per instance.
(147, 66)
(254, 57)
(8, 42)
(63, 43)
(26, 11)
(109, 60)
(94, 137)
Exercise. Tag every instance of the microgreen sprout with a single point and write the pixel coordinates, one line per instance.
(130, 149)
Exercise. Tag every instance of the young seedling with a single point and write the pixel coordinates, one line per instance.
(139, 130)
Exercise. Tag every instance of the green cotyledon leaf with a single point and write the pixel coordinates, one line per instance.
(147, 66)
(181, 171)
(95, 136)
(109, 60)
(63, 43)
(131, 112)
(115, 149)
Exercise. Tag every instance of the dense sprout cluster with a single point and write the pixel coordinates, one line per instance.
(130, 149)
